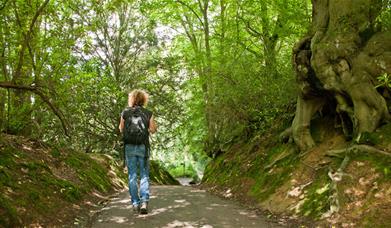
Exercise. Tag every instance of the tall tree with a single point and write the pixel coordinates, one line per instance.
(339, 64)
(30, 60)
(226, 57)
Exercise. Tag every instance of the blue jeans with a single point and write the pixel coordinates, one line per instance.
(135, 157)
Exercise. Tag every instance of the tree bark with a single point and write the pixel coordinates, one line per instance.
(339, 62)
(3, 116)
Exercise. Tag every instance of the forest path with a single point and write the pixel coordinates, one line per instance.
(179, 206)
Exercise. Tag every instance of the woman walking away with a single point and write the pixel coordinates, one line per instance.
(136, 124)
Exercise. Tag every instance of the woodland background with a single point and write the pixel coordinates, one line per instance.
(224, 77)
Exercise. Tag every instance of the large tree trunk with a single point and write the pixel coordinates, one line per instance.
(339, 62)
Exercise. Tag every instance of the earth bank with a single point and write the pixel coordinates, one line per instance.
(325, 185)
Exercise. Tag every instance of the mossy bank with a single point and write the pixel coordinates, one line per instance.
(347, 189)
(44, 185)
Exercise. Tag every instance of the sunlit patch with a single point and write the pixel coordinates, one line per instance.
(197, 190)
(27, 148)
(100, 196)
(218, 205)
(122, 201)
(129, 207)
(249, 214)
(158, 211)
(177, 223)
(118, 219)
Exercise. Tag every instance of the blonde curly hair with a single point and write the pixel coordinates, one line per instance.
(138, 97)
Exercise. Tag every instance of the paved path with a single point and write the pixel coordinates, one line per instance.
(179, 206)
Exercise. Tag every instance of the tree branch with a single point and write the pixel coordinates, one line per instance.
(27, 36)
(37, 90)
(192, 10)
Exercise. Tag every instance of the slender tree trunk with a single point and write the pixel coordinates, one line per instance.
(269, 39)
(3, 111)
(339, 62)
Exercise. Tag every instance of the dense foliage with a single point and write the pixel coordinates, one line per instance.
(217, 71)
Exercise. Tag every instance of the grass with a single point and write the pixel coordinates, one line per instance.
(8, 213)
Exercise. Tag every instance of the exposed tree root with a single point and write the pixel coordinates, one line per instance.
(338, 175)
(335, 178)
(357, 149)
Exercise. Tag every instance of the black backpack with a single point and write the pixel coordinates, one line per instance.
(136, 126)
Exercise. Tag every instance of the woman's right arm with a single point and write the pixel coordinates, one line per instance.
(121, 124)
(152, 125)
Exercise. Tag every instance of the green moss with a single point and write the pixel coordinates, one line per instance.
(317, 197)
(380, 162)
(8, 156)
(369, 138)
(36, 167)
(5, 177)
(381, 136)
(210, 170)
(8, 213)
(67, 189)
(89, 171)
(223, 171)
(33, 195)
(55, 152)
(36, 189)
(75, 161)
(268, 179)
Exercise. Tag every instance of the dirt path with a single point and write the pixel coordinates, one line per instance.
(179, 206)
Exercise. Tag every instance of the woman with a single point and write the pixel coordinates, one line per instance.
(136, 151)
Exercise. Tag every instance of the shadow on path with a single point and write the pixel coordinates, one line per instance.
(179, 206)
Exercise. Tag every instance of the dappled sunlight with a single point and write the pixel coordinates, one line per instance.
(118, 219)
(99, 195)
(158, 211)
(122, 201)
(177, 223)
(167, 209)
(178, 206)
(218, 205)
(197, 190)
(248, 214)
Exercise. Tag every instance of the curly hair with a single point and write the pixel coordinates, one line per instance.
(138, 98)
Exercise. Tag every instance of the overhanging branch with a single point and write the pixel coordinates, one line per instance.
(40, 93)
